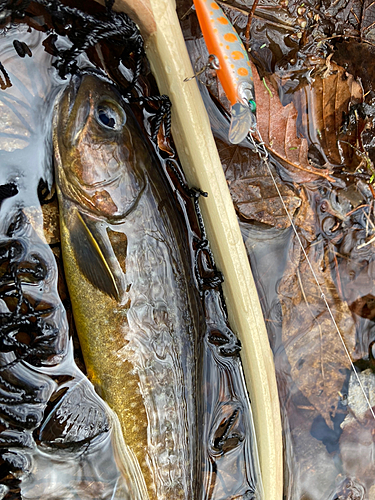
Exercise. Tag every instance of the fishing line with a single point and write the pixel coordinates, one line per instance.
(115, 489)
(241, 105)
(264, 156)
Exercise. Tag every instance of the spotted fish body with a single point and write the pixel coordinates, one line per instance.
(234, 70)
(136, 310)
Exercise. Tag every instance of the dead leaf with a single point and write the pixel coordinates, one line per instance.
(322, 108)
(325, 102)
(253, 192)
(315, 352)
(277, 124)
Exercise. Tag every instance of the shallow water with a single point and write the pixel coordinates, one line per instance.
(321, 453)
(327, 423)
(59, 439)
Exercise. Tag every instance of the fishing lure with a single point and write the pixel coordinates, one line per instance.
(229, 58)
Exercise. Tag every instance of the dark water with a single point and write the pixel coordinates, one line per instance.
(59, 439)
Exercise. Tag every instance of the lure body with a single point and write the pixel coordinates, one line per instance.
(234, 70)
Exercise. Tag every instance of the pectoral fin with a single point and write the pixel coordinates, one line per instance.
(90, 258)
(242, 122)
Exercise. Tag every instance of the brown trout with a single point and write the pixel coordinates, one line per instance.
(135, 305)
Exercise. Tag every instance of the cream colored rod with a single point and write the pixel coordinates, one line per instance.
(170, 64)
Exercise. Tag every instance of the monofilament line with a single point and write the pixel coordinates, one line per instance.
(264, 157)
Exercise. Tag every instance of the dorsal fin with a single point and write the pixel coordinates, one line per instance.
(90, 258)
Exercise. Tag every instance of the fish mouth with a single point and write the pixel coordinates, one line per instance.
(74, 86)
(71, 93)
(73, 114)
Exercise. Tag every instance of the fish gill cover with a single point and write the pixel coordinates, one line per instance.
(58, 438)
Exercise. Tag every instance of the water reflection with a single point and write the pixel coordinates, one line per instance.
(327, 422)
(56, 434)
(228, 436)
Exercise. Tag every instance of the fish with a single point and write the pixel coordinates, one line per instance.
(127, 264)
(230, 60)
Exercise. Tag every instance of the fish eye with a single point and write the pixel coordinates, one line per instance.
(110, 115)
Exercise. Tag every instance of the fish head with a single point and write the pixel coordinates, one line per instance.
(100, 148)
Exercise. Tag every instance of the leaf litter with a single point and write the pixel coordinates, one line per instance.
(318, 363)
(314, 86)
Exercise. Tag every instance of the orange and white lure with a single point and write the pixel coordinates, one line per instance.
(230, 59)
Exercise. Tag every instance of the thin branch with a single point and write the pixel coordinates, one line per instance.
(249, 19)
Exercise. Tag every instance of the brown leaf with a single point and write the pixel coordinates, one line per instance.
(319, 110)
(253, 192)
(322, 107)
(277, 125)
(315, 352)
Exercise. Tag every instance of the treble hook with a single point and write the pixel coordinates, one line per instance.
(212, 63)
